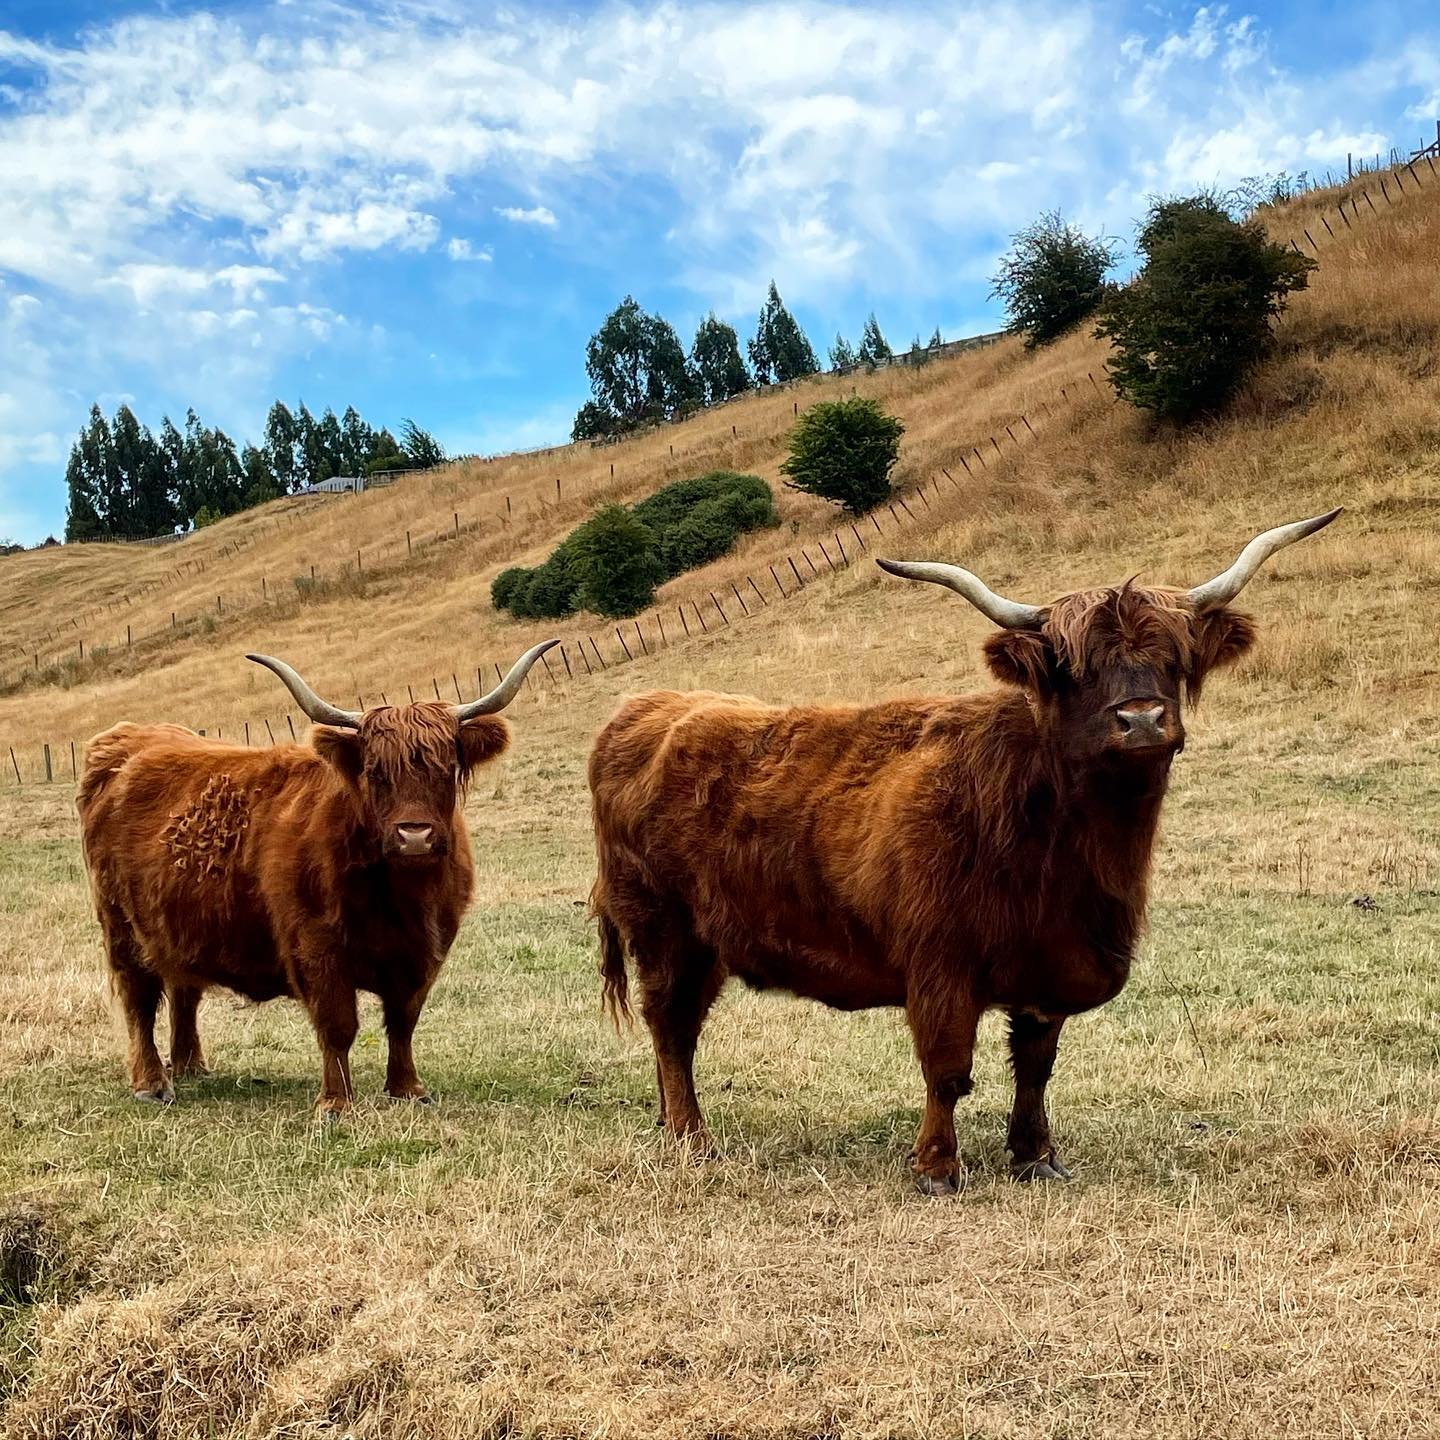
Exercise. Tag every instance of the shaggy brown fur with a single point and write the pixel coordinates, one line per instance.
(943, 854)
(313, 871)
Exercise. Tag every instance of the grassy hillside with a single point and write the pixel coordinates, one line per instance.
(1251, 1243)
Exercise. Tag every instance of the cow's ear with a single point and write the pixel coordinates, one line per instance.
(1022, 657)
(482, 740)
(1217, 638)
(341, 748)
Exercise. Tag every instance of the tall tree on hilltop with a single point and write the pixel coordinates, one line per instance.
(170, 446)
(282, 437)
(385, 453)
(332, 443)
(874, 348)
(842, 354)
(421, 448)
(637, 371)
(216, 479)
(357, 442)
(82, 515)
(715, 359)
(311, 461)
(97, 446)
(144, 477)
(260, 483)
(780, 350)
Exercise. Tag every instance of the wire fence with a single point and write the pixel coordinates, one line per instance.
(85, 648)
(711, 610)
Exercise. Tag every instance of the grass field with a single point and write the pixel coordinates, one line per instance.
(1251, 1245)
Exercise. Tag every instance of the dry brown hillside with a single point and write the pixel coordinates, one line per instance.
(1251, 1244)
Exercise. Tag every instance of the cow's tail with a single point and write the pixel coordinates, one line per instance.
(103, 759)
(615, 978)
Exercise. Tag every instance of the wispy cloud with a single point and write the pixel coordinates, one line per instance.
(192, 194)
(537, 215)
(460, 248)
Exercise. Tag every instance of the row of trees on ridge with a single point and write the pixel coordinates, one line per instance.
(639, 371)
(126, 482)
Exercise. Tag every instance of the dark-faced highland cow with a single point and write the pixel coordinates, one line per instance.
(945, 855)
(313, 871)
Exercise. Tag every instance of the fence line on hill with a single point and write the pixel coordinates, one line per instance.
(661, 639)
(38, 655)
(646, 634)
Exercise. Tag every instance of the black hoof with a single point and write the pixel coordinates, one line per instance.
(941, 1187)
(163, 1096)
(1051, 1169)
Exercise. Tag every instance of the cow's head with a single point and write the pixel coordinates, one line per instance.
(409, 764)
(1105, 669)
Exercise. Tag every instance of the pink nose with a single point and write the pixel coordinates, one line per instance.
(415, 839)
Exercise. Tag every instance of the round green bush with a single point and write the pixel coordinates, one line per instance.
(844, 450)
(617, 562)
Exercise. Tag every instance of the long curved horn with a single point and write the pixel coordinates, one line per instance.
(507, 689)
(1009, 613)
(322, 712)
(1227, 585)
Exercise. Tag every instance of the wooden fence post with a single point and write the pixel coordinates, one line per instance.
(778, 585)
(74, 772)
(49, 773)
(740, 597)
(16, 764)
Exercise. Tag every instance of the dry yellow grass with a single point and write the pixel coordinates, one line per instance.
(1252, 1245)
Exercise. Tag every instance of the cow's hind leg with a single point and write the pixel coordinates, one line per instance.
(943, 1021)
(139, 991)
(1033, 1041)
(186, 1056)
(679, 979)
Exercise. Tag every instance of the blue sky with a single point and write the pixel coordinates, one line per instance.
(425, 209)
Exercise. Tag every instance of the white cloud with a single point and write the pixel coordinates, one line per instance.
(460, 248)
(180, 189)
(539, 215)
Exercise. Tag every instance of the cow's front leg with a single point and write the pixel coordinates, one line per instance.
(401, 1014)
(334, 1012)
(944, 1026)
(1033, 1041)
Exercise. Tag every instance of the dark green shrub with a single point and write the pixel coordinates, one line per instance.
(548, 591)
(1051, 278)
(504, 586)
(1197, 316)
(844, 450)
(712, 527)
(383, 464)
(617, 562)
(607, 563)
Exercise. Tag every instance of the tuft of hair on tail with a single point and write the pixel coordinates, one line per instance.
(616, 988)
